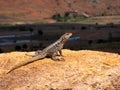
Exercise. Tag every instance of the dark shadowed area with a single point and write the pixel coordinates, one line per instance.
(38, 36)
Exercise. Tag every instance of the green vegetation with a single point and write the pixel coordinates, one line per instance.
(6, 25)
(69, 17)
(75, 17)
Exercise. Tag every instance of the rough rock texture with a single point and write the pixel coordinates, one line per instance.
(81, 70)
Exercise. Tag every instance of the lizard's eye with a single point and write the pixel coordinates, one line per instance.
(67, 33)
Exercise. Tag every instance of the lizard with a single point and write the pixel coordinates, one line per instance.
(59, 53)
(50, 51)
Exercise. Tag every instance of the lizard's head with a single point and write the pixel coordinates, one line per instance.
(66, 36)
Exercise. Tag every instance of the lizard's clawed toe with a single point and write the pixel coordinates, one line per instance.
(61, 59)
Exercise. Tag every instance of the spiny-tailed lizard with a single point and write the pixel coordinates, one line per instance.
(51, 51)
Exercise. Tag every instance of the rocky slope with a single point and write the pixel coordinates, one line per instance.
(12, 10)
(81, 70)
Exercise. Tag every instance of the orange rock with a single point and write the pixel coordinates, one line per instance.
(81, 70)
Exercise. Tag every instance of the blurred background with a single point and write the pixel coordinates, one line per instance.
(27, 25)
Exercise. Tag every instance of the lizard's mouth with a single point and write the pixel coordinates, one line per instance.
(68, 35)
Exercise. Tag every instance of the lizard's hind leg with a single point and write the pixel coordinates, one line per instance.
(36, 53)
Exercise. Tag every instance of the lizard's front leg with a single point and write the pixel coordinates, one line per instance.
(54, 57)
(60, 52)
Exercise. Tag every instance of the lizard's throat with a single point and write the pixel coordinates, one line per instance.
(63, 40)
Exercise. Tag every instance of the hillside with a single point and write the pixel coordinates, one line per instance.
(81, 70)
(32, 10)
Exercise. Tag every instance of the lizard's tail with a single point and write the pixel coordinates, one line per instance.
(26, 62)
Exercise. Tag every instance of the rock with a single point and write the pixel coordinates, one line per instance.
(81, 70)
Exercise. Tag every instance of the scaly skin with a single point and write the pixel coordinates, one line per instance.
(51, 51)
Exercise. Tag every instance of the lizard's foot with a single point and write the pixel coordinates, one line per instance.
(61, 59)
(58, 59)
(63, 55)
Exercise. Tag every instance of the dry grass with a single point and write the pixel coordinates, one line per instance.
(81, 70)
(104, 20)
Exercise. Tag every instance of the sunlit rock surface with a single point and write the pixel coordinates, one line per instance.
(81, 70)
